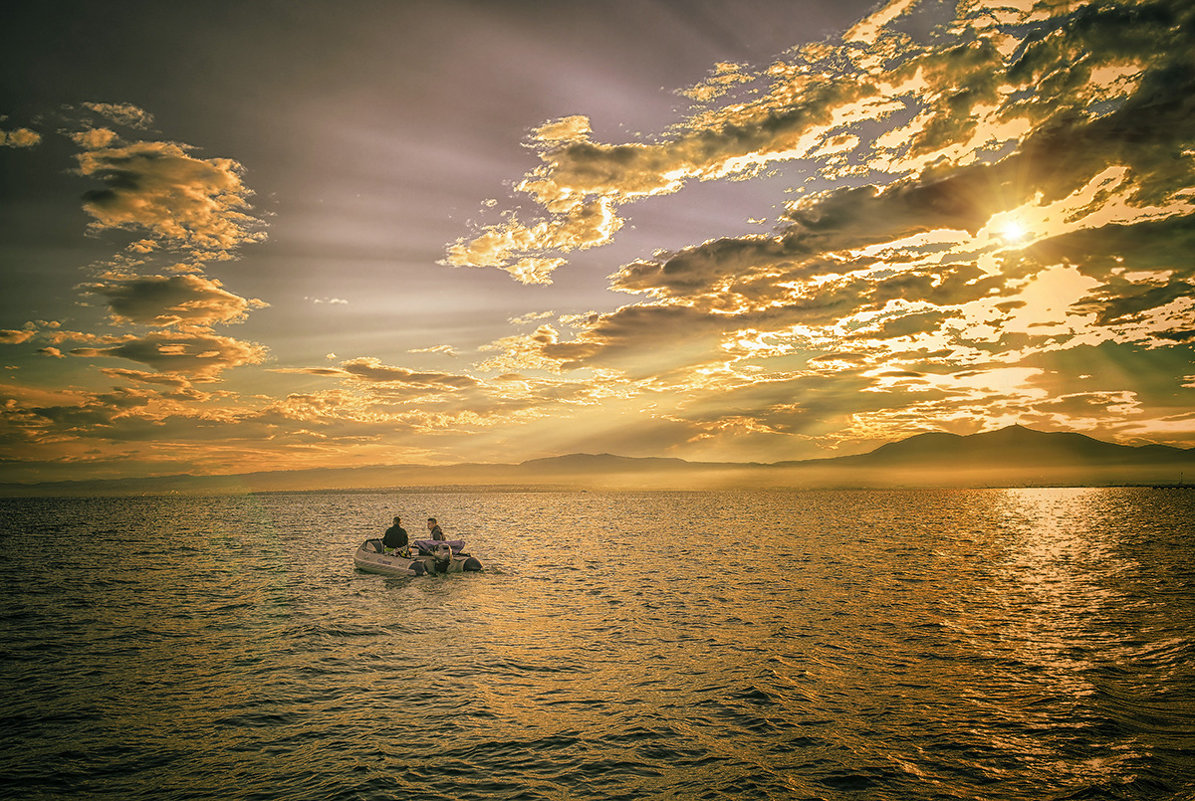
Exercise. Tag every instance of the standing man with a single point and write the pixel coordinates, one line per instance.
(395, 537)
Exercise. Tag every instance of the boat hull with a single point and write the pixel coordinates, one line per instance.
(369, 557)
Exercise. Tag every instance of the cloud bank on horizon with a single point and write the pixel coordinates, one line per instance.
(989, 223)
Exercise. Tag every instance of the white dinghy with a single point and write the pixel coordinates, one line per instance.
(420, 558)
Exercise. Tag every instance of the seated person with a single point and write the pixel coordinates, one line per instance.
(395, 537)
(434, 528)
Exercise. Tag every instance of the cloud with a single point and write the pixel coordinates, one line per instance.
(447, 350)
(20, 137)
(141, 376)
(180, 300)
(566, 129)
(94, 138)
(199, 356)
(1012, 188)
(985, 223)
(183, 211)
(125, 114)
(962, 100)
(867, 30)
(509, 245)
(372, 370)
(723, 76)
(10, 336)
(180, 203)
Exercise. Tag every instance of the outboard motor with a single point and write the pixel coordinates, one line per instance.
(443, 558)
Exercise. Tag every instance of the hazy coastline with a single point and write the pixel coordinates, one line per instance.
(1010, 457)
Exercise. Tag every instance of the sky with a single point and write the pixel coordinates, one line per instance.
(238, 237)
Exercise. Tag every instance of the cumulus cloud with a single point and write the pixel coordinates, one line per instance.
(19, 137)
(94, 138)
(371, 369)
(182, 212)
(176, 201)
(513, 245)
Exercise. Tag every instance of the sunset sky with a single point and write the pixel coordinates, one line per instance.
(280, 235)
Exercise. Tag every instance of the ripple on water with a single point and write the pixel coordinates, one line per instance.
(832, 644)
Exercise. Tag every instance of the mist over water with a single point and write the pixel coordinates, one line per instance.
(971, 644)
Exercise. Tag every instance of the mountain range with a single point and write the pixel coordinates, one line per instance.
(1013, 456)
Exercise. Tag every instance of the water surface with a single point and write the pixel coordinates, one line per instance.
(973, 644)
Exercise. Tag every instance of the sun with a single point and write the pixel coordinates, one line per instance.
(1013, 230)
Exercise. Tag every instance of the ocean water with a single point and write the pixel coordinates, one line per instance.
(903, 645)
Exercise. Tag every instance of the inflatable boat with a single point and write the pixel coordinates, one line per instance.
(420, 558)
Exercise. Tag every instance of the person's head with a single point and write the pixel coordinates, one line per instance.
(431, 521)
(397, 520)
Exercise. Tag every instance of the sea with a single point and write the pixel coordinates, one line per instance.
(822, 644)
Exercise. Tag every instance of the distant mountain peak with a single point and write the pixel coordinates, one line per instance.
(1012, 445)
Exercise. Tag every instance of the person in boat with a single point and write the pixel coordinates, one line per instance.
(434, 527)
(395, 537)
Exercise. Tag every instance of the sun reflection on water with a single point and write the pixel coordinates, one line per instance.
(964, 644)
(1054, 607)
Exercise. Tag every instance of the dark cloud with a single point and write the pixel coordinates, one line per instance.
(640, 337)
(370, 369)
(373, 371)
(860, 216)
(95, 413)
(141, 376)
(199, 356)
(905, 325)
(182, 300)
(11, 336)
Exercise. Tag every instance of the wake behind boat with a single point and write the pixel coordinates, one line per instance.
(421, 558)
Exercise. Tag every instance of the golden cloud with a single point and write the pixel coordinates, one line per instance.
(199, 356)
(179, 300)
(20, 137)
(965, 102)
(199, 206)
(125, 114)
(10, 336)
(372, 370)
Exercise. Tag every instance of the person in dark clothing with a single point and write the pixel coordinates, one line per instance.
(434, 528)
(395, 537)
